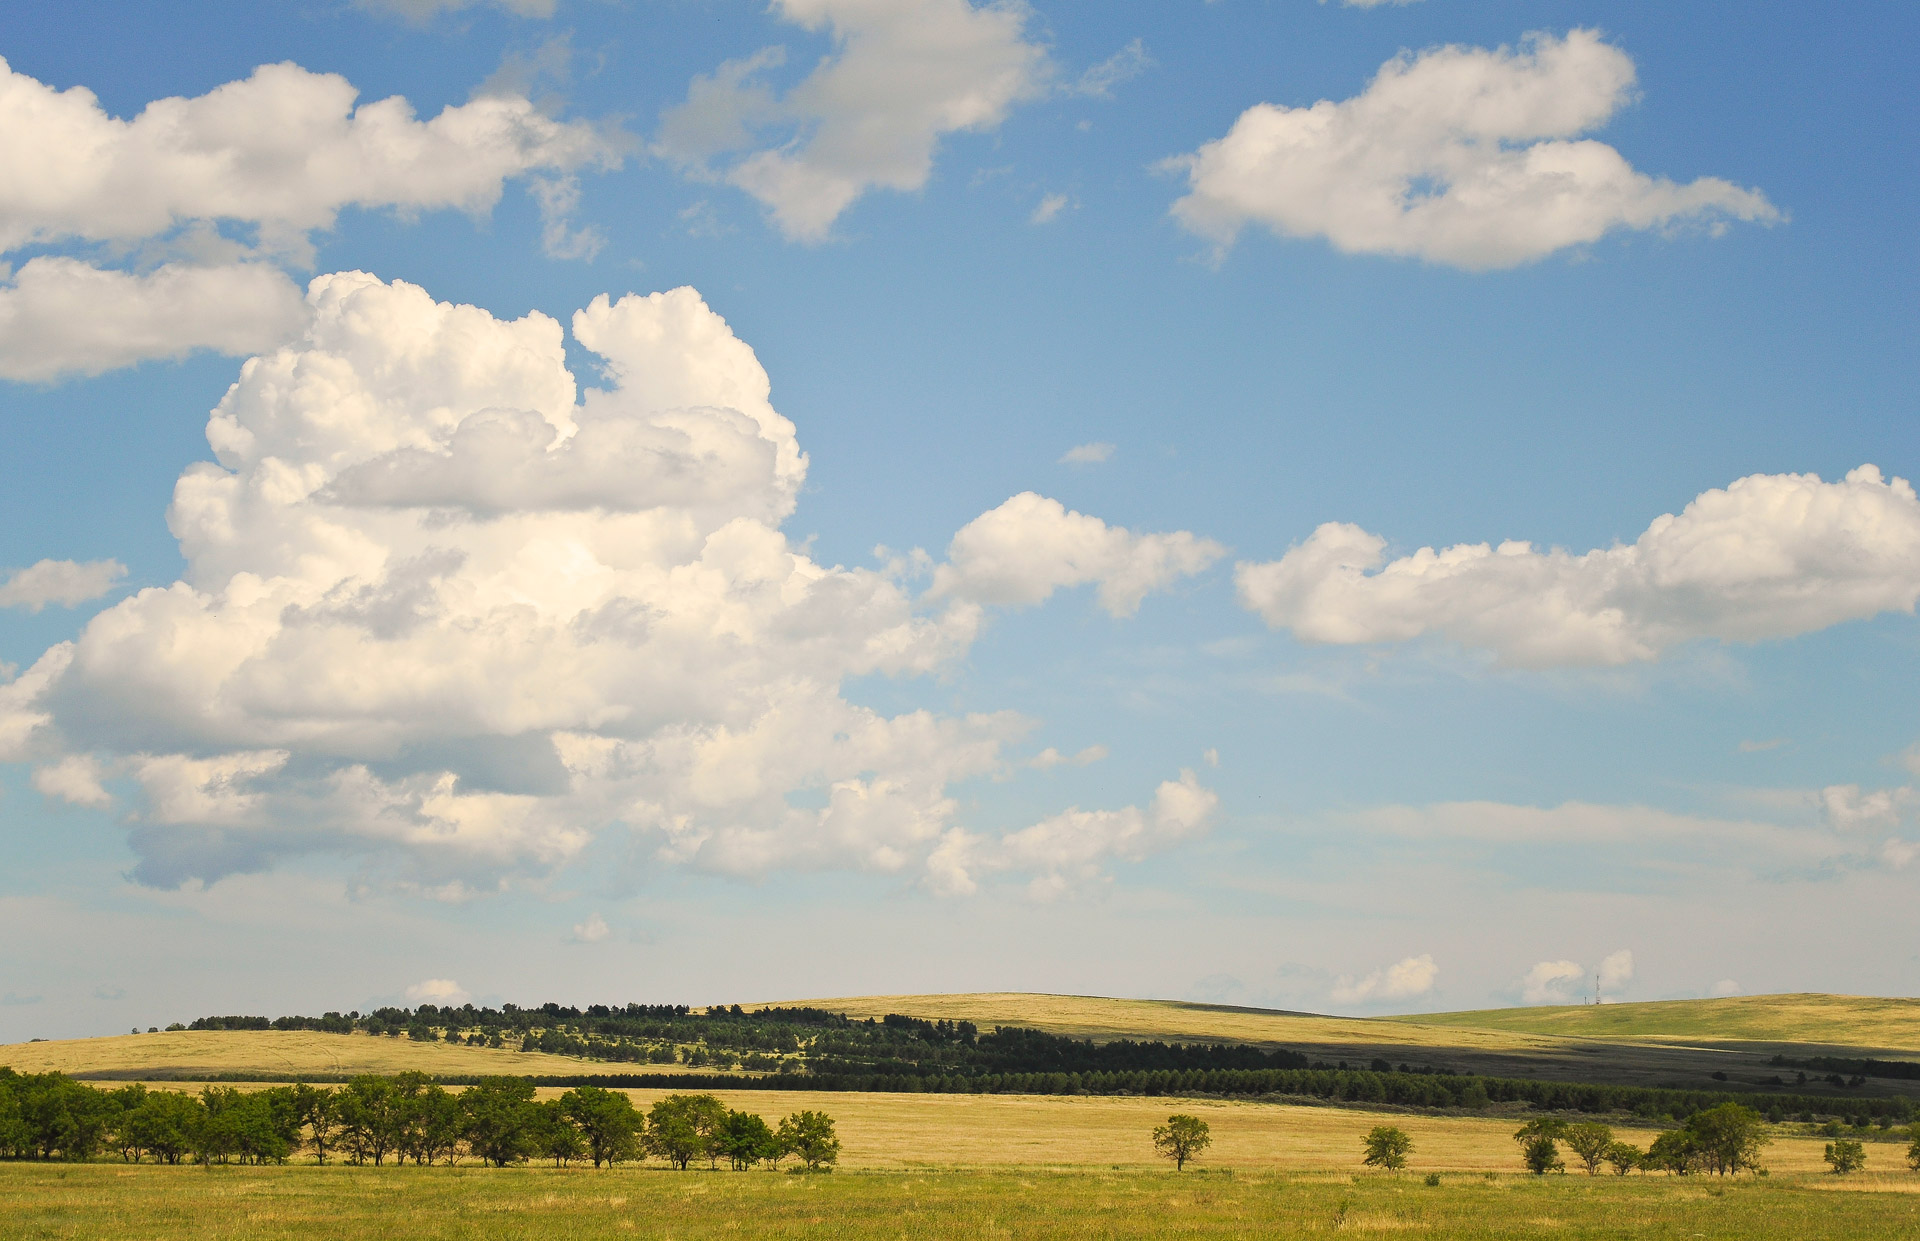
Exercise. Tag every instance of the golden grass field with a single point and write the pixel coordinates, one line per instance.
(892, 1132)
(185, 1053)
(1849, 1020)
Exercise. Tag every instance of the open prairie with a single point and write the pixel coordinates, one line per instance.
(52, 1202)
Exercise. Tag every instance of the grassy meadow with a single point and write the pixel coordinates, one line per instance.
(53, 1202)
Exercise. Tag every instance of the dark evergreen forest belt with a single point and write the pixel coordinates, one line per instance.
(1357, 1087)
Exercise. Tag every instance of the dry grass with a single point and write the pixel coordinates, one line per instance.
(41, 1202)
(904, 1131)
(187, 1053)
(1845, 1020)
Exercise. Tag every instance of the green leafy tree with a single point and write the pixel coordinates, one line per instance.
(61, 1116)
(1542, 1155)
(163, 1125)
(607, 1123)
(745, 1140)
(1181, 1139)
(126, 1101)
(681, 1128)
(1846, 1155)
(554, 1136)
(1588, 1140)
(1729, 1138)
(370, 1122)
(1913, 1146)
(809, 1137)
(501, 1119)
(15, 1138)
(1674, 1152)
(1624, 1156)
(435, 1124)
(1387, 1147)
(313, 1106)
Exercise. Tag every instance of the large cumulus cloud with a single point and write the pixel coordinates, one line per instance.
(445, 611)
(1771, 556)
(1467, 156)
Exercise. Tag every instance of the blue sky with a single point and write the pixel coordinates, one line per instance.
(439, 683)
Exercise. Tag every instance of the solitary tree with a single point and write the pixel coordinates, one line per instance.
(1728, 1138)
(810, 1137)
(607, 1122)
(1589, 1141)
(1846, 1156)
(1387, 1147)
(501, 1119)
(1182, 1138)
(1624, 1156)
(745, 1140)
(1542, 1155)
(681, 1127)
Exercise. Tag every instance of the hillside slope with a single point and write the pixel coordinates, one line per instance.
(1849, 1020)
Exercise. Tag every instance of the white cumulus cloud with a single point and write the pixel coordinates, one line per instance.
(1459, 155)
(1552, 982)
(1075, 844)
(75, 779)
(592, 931)
(448, 613)
(65, 583)
(1094, 453)
(60, 316)
(903, 73)
(269, 159)
(284, 150)
(1402, 980)
(1771, 556)
(1616, 971)
(1030, 546)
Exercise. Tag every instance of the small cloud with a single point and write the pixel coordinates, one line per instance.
(1402, 980)
(66, 583)
(1898, 853)
(1616, 971)
(1911, 759)
(592, 931)
(1551, 982)
(1123, 66)
(1087, 454)
(109, 993)
(440, 991)
(1050, 758)
(1211, 756)
(1050, 206)
(1757, 747)
(701, 220)
(10, 1000)
(1724, 988)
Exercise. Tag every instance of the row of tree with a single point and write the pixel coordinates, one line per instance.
(1723, 1141)
(375, 1119)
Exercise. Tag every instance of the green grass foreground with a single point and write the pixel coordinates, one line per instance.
(101, 1201)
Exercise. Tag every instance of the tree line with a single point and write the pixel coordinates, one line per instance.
(375, 1119)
